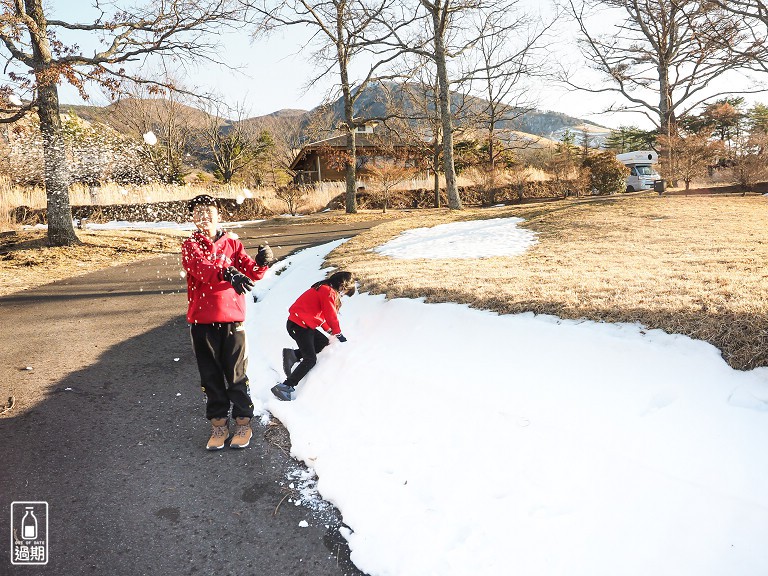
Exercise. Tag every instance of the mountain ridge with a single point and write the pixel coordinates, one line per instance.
(374, 103)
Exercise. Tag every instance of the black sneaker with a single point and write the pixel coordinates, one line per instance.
(283, 392)
(289, 359)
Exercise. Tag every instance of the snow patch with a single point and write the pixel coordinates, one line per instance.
(474, 239)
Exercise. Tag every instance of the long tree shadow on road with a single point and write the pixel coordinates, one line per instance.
(117, 451)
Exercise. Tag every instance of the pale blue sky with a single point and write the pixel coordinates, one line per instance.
(272, 72)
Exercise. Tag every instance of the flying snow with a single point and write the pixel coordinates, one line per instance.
(150, 139)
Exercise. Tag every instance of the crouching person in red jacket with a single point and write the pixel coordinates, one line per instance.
(317, 308)
(219, 273)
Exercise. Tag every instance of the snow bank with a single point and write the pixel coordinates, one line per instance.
(457, 441)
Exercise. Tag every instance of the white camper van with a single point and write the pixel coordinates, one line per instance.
(642, 175)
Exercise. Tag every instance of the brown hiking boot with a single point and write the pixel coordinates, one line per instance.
(243, 433)
(219, 433)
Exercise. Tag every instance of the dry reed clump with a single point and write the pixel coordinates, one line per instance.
(686, 265)
(18, 202)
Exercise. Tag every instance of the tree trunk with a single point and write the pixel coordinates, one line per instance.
(61, 232)
(446, 118)
(350, 174)
(491, 151)
(350, 167)
(668, 124)
(436, 171)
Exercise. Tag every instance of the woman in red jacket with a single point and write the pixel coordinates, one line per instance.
(317, 308)
(219, 273)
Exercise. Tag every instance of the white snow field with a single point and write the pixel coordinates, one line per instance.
(460, 442)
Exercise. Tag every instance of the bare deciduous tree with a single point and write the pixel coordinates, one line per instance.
(289, 134)
(692, 155)
(287, 140)
(236, 146)
(502, 59)
(292, 195)
(662, 56)
(387, 174)
(445, 36)
(38, 62)
(343, 30)
(168, 115)
(414, 114)
(750, 161)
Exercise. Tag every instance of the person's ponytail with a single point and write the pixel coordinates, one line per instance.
(342, 282)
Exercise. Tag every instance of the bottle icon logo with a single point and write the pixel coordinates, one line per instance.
(29, 524)
(29, 533)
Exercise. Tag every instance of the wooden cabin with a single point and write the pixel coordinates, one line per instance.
(323, 161)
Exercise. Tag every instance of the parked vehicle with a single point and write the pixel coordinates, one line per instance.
(642, 176)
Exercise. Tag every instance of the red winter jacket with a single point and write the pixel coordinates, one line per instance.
(212, 299)
(317, 308)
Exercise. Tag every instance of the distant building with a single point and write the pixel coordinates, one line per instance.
(323, 161)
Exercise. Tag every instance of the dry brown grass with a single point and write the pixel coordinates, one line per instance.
(26, 261)
(688, 265)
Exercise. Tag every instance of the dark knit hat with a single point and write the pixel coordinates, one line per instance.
(202, 200)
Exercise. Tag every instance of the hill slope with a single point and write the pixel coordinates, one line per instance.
(379, 100)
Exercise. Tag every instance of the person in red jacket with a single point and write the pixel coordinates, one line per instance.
(317, 308)
(219, 273)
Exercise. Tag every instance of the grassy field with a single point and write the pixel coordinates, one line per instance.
(688, 265)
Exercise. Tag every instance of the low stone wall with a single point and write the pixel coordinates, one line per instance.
(176, 211)
(761, 188)
(470, 196)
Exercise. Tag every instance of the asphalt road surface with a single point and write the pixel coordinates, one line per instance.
(109, 430)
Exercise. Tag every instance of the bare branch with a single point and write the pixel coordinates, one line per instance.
(663, 55)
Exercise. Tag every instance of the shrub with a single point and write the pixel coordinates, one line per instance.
(606, 174)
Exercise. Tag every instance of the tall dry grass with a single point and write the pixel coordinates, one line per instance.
(317, 197)
(687, 265)
(418, 183)
(12, 196)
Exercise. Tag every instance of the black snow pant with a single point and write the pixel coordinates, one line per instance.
(310, 343)
(222, 358)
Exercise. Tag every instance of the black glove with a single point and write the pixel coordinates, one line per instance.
(240, 282)
(340, 337)
(264, 256)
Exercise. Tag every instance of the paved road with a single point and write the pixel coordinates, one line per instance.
(109, 430)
